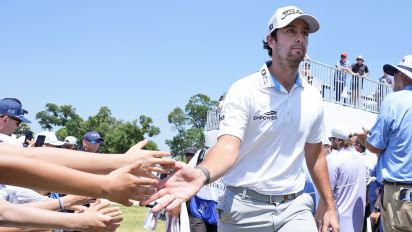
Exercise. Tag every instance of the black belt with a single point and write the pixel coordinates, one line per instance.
(271, 199)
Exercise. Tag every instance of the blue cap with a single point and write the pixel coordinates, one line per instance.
(92, 135)
(12, 107)
(191, 150)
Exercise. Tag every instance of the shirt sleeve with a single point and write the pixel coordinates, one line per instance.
(379, 133)
(235, 112)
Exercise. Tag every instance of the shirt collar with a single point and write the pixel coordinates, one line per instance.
(272, 81)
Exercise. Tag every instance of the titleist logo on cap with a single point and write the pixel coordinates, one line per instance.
(291, 12)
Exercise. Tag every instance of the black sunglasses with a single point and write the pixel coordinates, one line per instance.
(15, 119)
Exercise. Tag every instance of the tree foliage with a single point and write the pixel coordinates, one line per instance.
(118, 135)
(189, 123)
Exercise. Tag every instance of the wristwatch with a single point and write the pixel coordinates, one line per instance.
(206, 173)
(376, 209)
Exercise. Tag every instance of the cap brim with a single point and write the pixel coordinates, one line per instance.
(390, 70)
(23, 119)
(312, 22)
(57, 143)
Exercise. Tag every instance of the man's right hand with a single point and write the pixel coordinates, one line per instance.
(177, 188)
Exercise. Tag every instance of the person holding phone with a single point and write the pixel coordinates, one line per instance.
(48, 139)
(28, 137)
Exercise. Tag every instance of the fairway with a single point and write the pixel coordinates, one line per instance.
(134, 218)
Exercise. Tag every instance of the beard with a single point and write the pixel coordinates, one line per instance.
(292, 59)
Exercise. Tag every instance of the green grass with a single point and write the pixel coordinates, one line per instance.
(134, 218)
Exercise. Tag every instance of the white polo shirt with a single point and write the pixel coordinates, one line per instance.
(274, 126)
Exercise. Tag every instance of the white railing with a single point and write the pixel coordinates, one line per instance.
(343, 88)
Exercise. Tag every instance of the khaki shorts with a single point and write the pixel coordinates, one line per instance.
(396, 214)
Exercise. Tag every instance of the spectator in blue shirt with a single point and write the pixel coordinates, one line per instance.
(391, 139)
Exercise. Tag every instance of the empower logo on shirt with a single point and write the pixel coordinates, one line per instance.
(271, 115)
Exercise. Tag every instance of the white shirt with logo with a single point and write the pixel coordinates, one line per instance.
(274, 126)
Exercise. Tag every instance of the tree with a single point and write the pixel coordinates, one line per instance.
(118, 135)
(22, 129)
(189, 123)
(55, 115)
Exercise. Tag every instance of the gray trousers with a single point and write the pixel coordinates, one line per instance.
(239, 213)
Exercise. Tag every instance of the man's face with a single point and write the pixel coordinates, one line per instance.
(398, 83)
(8, 125)
(335, 143)
(292, 42)
(188, 157)
(92, 145)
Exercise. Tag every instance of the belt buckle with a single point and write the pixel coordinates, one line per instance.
(272, 201)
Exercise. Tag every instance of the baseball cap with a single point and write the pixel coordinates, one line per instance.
(405, 66)
(285, 15)
(340, 132)
(92, 135)
(12, 107)
(344, 54)
(360, 57)
(70, 140)
(191, 150)
(51, 138)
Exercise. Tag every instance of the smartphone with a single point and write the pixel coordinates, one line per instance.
(28, 135)
(40, 141)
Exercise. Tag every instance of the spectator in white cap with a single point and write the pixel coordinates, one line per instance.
(347, 174)
(50, 139)
(262, 142)
(92, 141)
(391, 139)
(70, 142)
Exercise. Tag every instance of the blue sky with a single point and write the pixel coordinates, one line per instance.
(147, 57)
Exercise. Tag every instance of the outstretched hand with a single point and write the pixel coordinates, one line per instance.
(100, 217)
(122, 185)
(151, 161)
(179, 187)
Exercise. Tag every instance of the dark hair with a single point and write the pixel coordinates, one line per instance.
(265, 43)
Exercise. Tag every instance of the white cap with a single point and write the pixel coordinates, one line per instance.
(70, 140)
(340, 132)
(360, 57)
(285, 15)
(405, 66)
(326, 141)
(51, 138)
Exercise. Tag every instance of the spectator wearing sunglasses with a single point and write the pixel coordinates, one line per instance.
(11, 116)
(92, 141)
